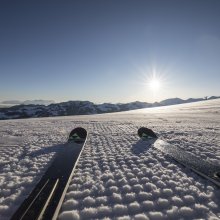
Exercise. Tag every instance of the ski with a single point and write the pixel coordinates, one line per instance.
(46, 199)
(203, 168)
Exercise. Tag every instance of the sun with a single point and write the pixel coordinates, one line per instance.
(154, 84)
(154, 81)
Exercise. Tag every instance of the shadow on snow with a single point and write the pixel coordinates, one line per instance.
(141, 146)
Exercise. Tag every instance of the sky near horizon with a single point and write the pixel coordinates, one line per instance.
(109, 51)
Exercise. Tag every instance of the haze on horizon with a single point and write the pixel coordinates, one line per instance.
(109, 51)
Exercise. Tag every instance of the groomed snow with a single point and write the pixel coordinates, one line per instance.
(117, 176)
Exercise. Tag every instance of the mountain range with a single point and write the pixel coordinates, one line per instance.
(83, 108)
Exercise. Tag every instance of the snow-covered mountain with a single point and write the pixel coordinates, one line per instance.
(66, 108)
(81, 108)
(38, 102)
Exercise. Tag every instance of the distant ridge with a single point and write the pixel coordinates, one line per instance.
(83, 108)
(27, 102)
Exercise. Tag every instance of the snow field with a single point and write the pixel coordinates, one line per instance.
(118, 176)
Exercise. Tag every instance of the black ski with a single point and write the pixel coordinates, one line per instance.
(203, 168)
(46, 199)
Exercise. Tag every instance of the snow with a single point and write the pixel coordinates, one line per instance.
(118, 176)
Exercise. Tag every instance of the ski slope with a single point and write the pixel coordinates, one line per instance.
(117, 176)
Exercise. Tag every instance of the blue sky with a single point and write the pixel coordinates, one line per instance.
(106, 51)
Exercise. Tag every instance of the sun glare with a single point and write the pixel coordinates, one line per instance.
(154, 81)
(154, 84)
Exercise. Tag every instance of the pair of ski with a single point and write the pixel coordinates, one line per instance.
(46, 199)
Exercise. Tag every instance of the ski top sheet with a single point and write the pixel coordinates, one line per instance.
(203, 168)
(46, 199)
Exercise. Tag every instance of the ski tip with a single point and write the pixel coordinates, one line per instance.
(146, 133)
(78, 135)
